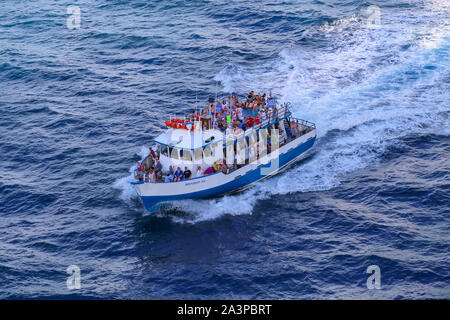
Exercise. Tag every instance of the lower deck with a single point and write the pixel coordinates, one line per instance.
(219, 183)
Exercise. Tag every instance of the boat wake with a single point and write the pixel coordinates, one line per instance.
(365, 88)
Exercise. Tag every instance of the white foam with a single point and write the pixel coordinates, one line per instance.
(127, 191)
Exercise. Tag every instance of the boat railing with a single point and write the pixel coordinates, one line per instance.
(305, 123)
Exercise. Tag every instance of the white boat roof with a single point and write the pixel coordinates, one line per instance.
(185, 139)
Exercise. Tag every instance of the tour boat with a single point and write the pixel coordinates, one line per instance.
(234, 159)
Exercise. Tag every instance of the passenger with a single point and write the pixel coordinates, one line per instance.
(221, 126)
(240, 114)
(263, 116)
(225, 169)
(275, 112)
(168, 178)
(271, 102)
(158, 167)
(158, 152)
(151, 176)
(238, 129)
(139, 173)
(255, 110)
(159, 177)
(228, 119)
(208, 171)
(269, 113)
(234, 115)
(199, 172)
(235, 98)
(217, 166)
(187, 173)
(148, 163)
(179, 176)
(282, 140)
(257, 119)
(152, 153)
(294, 129)
(196, 117)
(288, 132)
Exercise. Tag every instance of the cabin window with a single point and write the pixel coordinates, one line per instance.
(186, 155)
(198, 153)
(207, 151)
(215, 150)
(164, 151)
(174, 153)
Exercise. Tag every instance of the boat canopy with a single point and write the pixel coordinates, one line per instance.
(184, 139)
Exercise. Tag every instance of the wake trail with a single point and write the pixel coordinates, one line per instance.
(365, 90)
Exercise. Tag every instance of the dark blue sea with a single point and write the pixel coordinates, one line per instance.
(80, 105)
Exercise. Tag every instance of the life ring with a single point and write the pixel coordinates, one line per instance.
(178, 123)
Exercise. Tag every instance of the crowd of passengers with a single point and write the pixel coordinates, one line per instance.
(151, 170)
(239, 116)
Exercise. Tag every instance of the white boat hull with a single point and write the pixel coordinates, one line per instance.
(152, 194)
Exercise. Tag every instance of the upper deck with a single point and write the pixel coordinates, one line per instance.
(221, 139)
(199, 134)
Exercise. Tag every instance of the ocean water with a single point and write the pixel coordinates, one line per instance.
(80, 106)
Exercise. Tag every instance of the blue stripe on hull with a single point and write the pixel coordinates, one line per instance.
(239, 183)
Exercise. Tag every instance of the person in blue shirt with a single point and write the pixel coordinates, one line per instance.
(288, 131)
(158, 167)
(168, 178)
(179, 175)
(271, 103)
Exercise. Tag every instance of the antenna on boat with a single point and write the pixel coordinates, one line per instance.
(216, 92)
(196, 100)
